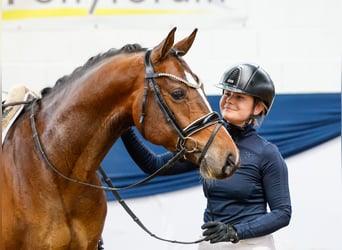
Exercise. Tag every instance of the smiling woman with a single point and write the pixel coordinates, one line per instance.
(236, 207)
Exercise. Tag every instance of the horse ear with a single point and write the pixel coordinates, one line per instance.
(183, 46)
(162, 50)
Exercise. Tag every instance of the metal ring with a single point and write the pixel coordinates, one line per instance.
(194, 149)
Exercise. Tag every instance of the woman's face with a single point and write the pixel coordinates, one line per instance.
(237, 108)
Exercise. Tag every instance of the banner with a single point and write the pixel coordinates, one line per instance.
(202, 12)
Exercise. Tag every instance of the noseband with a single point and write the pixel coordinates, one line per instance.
(183, 134)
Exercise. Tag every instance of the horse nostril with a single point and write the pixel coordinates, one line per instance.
(231, 162)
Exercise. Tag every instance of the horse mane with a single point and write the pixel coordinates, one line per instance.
(79, 71)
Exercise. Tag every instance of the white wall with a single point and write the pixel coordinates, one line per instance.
(298, 42)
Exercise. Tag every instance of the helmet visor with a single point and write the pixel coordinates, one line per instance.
(229, 87)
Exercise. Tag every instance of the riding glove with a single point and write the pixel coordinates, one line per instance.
(218, 231)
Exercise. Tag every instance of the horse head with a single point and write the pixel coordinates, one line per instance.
(178, 115)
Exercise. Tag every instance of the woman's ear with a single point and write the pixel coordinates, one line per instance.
(259, 109)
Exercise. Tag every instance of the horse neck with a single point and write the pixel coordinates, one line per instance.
(89, 115)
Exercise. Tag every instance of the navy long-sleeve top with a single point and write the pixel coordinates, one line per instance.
(242, 199)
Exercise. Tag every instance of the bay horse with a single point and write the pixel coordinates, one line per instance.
(73, 125)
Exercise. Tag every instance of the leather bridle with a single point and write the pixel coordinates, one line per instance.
(183, 134)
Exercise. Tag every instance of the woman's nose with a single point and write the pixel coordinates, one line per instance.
(229, 98)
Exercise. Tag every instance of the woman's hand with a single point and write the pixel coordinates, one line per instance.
(218, 232)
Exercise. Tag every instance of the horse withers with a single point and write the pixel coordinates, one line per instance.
(56, 145)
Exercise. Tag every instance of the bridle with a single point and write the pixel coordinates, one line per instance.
(183, 135)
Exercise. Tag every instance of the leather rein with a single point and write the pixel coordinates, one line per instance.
(183, 135)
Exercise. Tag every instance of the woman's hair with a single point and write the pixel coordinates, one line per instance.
(258, 119)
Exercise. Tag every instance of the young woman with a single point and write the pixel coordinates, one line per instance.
(244, 210)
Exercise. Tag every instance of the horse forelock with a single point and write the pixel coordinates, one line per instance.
(92, 61)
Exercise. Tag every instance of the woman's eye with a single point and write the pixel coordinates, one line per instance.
(227, 94)
(178, 94)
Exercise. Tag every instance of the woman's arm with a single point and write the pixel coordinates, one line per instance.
(277, 195)
(150, 162)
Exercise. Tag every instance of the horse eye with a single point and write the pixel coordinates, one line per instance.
(178, 94)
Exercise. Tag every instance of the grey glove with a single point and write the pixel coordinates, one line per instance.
(218, 231)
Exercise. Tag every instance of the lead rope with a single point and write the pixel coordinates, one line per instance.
(110, 187)
(134, 217)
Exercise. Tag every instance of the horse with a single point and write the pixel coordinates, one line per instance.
(52, 152)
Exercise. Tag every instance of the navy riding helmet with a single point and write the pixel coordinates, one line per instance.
(249, 79)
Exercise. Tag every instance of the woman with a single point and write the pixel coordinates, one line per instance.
(236, 209)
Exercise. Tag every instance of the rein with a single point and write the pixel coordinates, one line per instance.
(135, 218)
(42, 153)
(110, 187)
